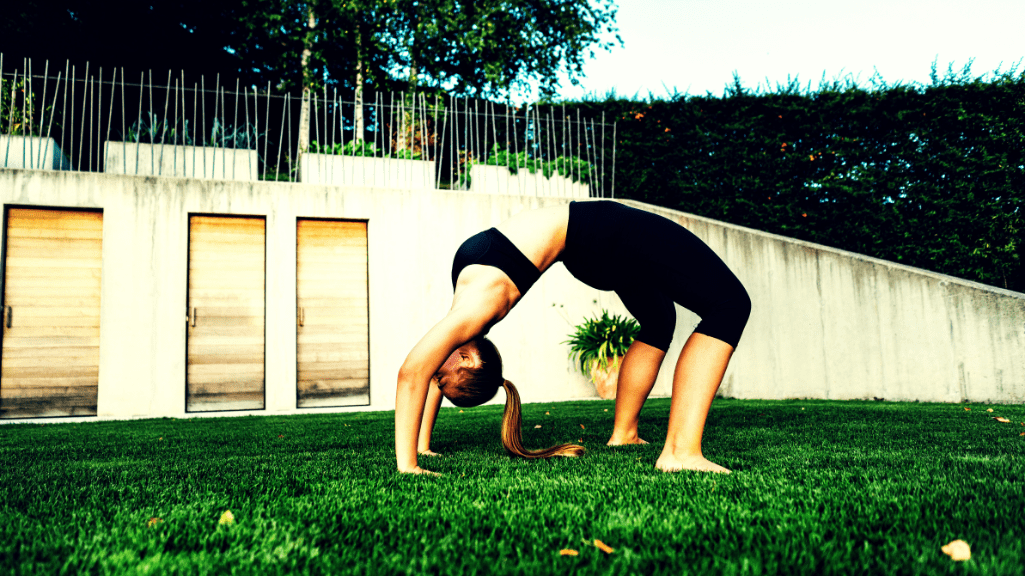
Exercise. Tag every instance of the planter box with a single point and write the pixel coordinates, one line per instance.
(497, 180)
(362, 171)
(33, 152)
(180, 161)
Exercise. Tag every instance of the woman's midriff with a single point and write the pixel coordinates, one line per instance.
(539, 234)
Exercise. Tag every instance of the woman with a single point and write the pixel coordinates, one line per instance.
(660, 262)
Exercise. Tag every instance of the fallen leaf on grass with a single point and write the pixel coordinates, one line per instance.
(547, 414)
(567, 552)
(967, 409)
(281, 435)
(1001, 419)
(538, 426)
(460, 411)
(227, 518)
(989, 409)
(153, 522)
(603, 546)
(958, 550)
(606, 410)
(582, 427)
(1022, 434)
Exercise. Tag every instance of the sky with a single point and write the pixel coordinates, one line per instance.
(695, 46)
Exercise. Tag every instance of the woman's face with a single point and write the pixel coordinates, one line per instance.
(465, 356)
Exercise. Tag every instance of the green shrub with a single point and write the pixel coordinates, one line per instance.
(362, 148)
(598, 340)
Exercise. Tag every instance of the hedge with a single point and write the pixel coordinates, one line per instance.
(931, 176)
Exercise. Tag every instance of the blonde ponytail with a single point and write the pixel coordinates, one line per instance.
(511, 434)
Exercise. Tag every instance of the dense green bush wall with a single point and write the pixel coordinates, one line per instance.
(929, 176)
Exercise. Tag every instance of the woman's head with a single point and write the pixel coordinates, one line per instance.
(471, 376)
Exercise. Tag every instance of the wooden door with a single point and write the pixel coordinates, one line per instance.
(332, 314)
(51, 335)
(225, 314)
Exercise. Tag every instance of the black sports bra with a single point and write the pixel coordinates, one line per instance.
(492, 248)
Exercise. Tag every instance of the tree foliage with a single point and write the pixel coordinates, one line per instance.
(487, 47)
(158, 36)
(930, 176)
(465, 47)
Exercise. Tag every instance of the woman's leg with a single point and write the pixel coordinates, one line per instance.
(699, 371)
(636, 378)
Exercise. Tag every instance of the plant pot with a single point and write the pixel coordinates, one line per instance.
(606, 379)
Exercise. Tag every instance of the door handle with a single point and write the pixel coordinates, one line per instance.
(8, 313)
(191, 319)
(302, 316)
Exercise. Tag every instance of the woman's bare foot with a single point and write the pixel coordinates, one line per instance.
(419, 470)
(427, 452)
(625, 440)
(670, 463)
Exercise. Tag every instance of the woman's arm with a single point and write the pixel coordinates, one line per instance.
(483, 297)
(459, 326)
(434, 396)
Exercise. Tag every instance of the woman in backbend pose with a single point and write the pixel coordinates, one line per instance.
(658, 262)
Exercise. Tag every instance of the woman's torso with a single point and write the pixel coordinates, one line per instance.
(539, 234)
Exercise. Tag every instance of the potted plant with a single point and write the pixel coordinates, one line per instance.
(598, 345)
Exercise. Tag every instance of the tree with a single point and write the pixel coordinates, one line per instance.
(479, 48)
(466, 47)
(476, 48)
(488, 47)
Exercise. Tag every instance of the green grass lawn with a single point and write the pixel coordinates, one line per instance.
(818, 487)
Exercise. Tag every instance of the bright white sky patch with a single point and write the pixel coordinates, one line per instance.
(696, 45)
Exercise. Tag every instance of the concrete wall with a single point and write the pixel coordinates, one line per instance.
(182, 161)
(833, 324)
(364, 171)
(32, 152)
(826, 323)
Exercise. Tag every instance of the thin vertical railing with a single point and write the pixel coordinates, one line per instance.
(558, 150)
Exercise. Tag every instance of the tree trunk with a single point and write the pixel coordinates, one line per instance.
(407, 125)
(406, 128)
(358, 114)
(304, 114)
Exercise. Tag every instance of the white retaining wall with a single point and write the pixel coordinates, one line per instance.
(826, 323)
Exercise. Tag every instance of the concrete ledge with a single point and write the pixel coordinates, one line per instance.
(363, 171)
(180, 161)
(32, 152)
